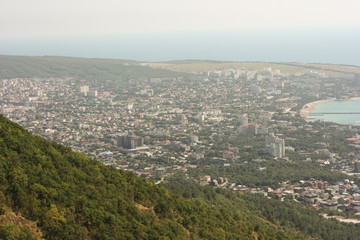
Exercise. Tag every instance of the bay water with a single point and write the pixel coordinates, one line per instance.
(341, 112)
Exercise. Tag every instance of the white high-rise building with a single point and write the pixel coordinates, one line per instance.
(84, 90)
(275, 146)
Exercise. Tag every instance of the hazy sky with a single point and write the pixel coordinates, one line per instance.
(42, 18)
(325, 31)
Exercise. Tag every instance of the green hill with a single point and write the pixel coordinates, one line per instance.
(70, 196)
(47, 191)
(288, 215)
(88, 68)
(115, 69)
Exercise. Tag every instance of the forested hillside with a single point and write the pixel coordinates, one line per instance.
(70, 196)
(287, 215)
(48, 191)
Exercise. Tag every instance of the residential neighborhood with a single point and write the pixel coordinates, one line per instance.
(157, 127)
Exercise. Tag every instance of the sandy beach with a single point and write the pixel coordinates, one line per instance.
(307, 108)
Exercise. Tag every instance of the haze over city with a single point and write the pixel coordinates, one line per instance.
(177, 119)
(303, 31)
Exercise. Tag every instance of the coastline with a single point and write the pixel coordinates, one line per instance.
(309, 107)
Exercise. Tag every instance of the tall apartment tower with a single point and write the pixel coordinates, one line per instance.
(130, 142)
(357, 166)
(83, 90)
(275, 146)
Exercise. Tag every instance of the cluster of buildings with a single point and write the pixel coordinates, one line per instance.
(216, 182)
(85, 91)
(157, 126)
(343, 196)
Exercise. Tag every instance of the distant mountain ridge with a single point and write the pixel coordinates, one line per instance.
(88, 68)
(116, 69)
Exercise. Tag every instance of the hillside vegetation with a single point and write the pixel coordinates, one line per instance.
(48, 191)
(88, 68)
(71, 196)
(115, 69)
(287, 215)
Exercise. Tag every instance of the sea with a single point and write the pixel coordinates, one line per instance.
(315, 45)
(341, 112)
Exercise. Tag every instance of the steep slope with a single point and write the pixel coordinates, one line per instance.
(14, 226)
(71, 196)
(287, 215)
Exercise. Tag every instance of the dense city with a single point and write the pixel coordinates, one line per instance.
(206, 127)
